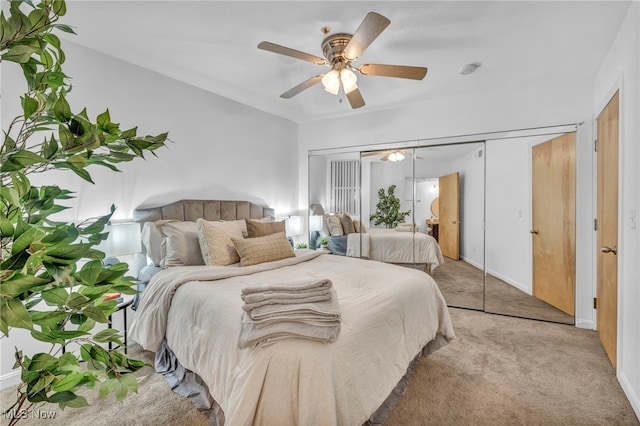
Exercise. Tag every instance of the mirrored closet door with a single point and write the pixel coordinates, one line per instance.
(530, 229)
(501, 209)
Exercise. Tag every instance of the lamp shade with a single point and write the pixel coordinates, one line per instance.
(315, 223)
(316, 209)
(124, 238)
(293, 225)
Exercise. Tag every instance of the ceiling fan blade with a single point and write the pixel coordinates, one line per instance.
(370, 28)
(373, 153)
(399, 71)
(276, 48)
(302, 86)
(355, 98)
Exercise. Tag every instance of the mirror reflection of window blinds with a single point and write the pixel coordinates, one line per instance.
(345, 183)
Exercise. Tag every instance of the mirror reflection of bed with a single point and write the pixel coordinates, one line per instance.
(494, 267)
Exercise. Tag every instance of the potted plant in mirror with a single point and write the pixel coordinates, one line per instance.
(388, 209)
(324, 241)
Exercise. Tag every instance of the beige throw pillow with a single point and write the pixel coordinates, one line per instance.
(347, 224)
(335, 226)
(215, 241)
(257, 228)
(268, 248)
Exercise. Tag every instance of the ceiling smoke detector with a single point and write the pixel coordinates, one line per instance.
(470, 68)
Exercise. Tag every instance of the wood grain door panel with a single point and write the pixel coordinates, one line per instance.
(553, 232)
(449, 217)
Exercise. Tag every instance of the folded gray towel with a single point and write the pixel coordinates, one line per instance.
(287, 301)
(302, 285)
(251, 336)
(327, 309)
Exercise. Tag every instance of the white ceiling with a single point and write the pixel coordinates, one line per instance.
(212, 45)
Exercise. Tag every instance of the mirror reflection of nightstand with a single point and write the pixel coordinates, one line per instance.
(433, 224)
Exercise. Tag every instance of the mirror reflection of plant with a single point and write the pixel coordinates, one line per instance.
(53, 280)
(388, 209)
(323, 240)
(302, 246)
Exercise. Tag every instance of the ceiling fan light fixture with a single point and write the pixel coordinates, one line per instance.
(396, 156)
(348, 79)
(331, 82)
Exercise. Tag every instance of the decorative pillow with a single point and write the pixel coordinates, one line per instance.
(347, 224)
(215, 241)
(266, 219)
(268, 248)
(256, 228)
(335, 226)
(359, 227)
(180, 246)
(406, 227)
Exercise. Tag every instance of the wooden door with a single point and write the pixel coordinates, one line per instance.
(554, 231)
(607, 228)
(449, 217)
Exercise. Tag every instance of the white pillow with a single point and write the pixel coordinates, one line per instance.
(180, 246)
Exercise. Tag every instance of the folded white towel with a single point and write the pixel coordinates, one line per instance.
(287, 301)
(278, 295)
(302, 285)
(324, 309)
(251, 336)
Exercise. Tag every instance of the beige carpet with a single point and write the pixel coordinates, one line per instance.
(462, 286)
(499, 371)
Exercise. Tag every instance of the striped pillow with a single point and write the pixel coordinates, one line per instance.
(257, 250)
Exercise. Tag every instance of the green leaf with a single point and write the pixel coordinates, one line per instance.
(14, 314)
(65, 28)
(95, 314)
(64, 396)
(76, 300)
(121, 391)
(19, 53)
(62, 110)
(90, 272)
(77, 402)
(19, 160)
(29, 106)
(42, 361)
(59, 7)
(44, 337)
(56, 296)
(131, 381)
(68, 382)
(20, 283)
(39, 18)
(25, 239)
(107, 387)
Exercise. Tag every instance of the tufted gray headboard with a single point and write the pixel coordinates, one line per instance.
(207, 209)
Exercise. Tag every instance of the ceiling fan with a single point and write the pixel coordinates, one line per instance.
(339, 51)
(393, 155)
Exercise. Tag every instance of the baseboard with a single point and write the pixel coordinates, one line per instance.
(586, 324)
(9, 379)
(633, 398)
(509, 281)
(471, 262)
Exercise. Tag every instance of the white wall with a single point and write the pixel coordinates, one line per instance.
(620, 70)
(221, 149)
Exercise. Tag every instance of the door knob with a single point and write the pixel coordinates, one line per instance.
(606, 249)
(534, 231)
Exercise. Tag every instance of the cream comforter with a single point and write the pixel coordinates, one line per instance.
(389, 314)
(391, 246)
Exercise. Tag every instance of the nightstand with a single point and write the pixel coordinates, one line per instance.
(122, 307)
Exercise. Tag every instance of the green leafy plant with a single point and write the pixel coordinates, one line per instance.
(388, 209)
(302, 246)
(53, 280)
(323, 240)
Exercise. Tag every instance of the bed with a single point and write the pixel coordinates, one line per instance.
(390, 316)
(400, 246)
